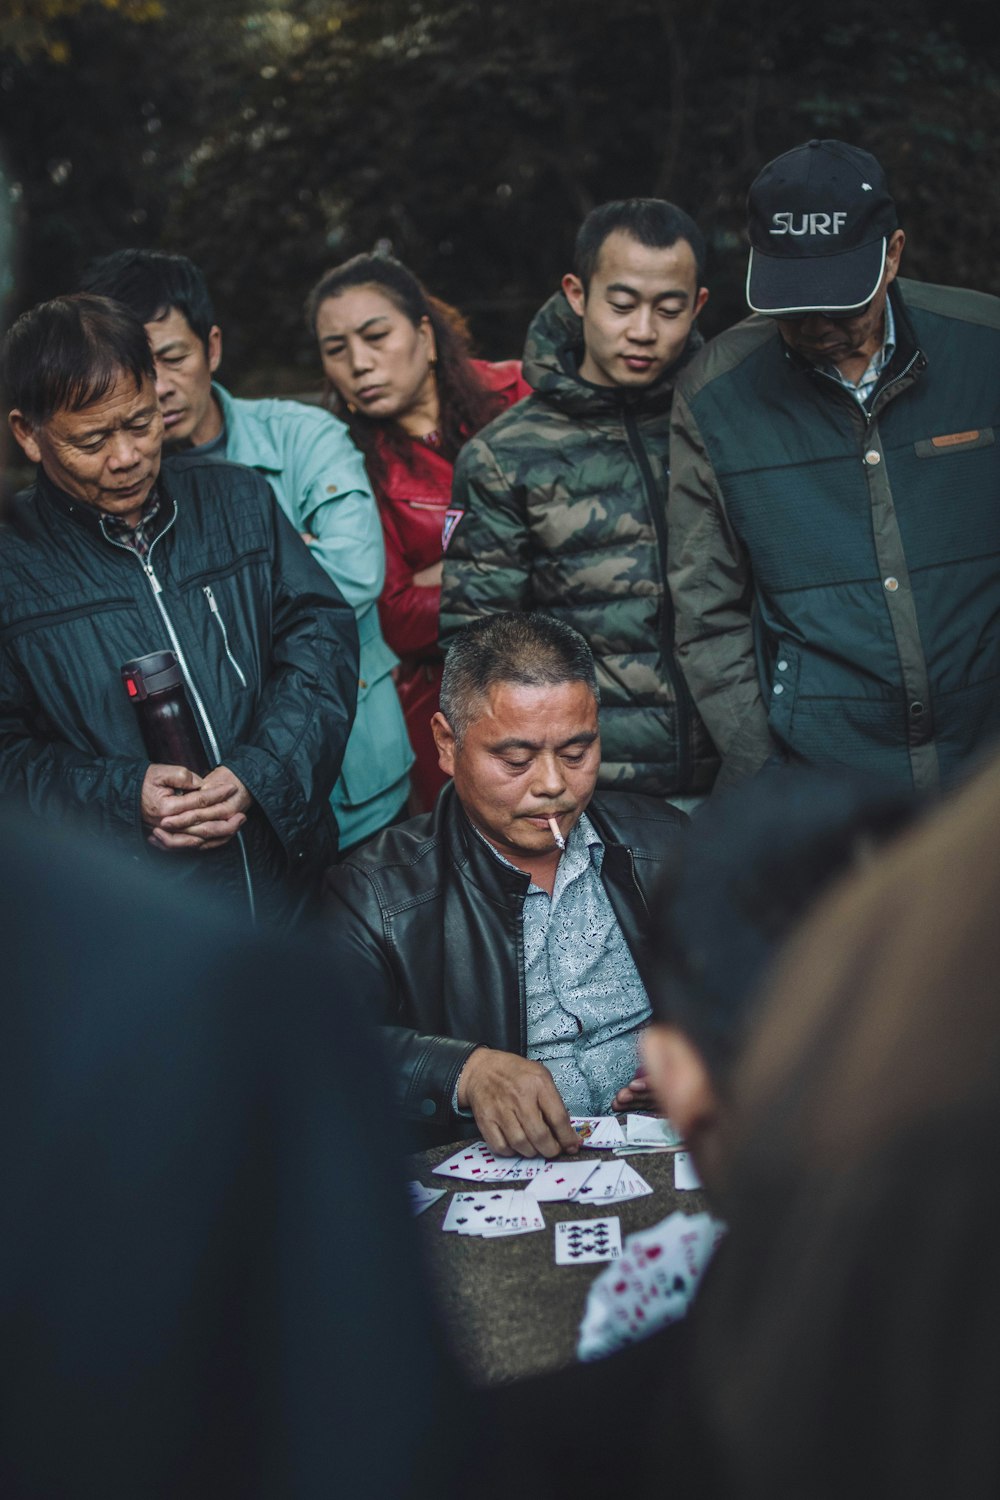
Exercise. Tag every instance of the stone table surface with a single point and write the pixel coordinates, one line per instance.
(508, 1309)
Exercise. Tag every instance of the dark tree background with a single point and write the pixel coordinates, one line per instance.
(470, 139)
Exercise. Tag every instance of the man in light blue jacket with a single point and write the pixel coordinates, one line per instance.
(319, 480)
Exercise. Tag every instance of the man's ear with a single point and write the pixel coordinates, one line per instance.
(25, 434)
(680, 1079)
(444, 739)
(700, 300)
(214, 347)
(575, 294)
(893, 253)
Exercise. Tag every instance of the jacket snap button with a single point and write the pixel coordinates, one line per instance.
(892, 584)
(778, 688)
(872, 457)
(782, 666)
(916, 709)
(428, 1107)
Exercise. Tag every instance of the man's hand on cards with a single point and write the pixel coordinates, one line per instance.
(516, 1105)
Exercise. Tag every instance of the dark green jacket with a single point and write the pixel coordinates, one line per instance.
(836, 575)
(565, 510)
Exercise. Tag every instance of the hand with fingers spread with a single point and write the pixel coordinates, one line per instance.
(516, 1105)
(204, 817)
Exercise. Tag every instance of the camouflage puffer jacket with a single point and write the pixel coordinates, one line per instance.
(564, 500)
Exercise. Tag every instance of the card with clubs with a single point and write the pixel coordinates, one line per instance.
(579, 1241)
(601, 1184)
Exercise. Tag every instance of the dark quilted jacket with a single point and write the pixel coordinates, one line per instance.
(278, 683)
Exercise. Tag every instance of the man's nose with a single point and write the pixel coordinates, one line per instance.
(123, 451)
(640, 327)
(549, 778)
(164, 384)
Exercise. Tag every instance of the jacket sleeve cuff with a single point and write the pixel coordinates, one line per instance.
(434, 1082)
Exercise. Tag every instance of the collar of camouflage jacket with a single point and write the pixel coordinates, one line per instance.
(552, 354)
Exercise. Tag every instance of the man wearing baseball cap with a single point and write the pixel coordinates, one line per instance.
(834, 512)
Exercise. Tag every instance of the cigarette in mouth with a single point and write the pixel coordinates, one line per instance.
(555, 832)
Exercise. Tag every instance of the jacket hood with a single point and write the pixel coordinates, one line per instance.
(552, 354)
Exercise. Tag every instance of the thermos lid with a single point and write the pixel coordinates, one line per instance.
(157, 672)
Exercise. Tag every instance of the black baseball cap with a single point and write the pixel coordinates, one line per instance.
(820, 218)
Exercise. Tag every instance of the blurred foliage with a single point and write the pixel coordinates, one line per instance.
(471, 139)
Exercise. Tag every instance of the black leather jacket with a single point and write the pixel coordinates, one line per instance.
(439, 920)
(270, 647)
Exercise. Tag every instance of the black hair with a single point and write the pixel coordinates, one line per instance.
(652, 221)
(534, 649)
(150, 283)
(66, 354)
(466, 404)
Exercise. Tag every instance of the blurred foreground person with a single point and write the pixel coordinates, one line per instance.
(399, 373)
(208, 1277)
(113, 555)
(317, 478)
(851, 1347)
(742, 876)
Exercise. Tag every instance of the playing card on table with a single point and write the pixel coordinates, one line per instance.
(598, 1132)
(422, 1197)
(524, 1168)
(559, 1180)
(519, 1215)
(630, 1185)
(685, 1176)
(601, 1184)
(474, 1163)
(458, 1212)
(579, 1241)
(644, 1130)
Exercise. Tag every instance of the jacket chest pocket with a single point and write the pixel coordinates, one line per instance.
(220, 624)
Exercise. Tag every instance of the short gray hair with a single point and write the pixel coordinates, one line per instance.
(535, 650)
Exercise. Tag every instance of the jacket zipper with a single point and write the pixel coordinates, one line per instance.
(667, 628)
(154, 583)
(225, 633)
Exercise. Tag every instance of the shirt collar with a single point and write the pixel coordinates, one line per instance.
(248, 441)
(584, 842)
(876, 364)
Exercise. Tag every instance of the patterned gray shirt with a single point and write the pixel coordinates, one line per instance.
(586, 1002)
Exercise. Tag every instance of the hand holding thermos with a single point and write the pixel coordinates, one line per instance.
(184, 804)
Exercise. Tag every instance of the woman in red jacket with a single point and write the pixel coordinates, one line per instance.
(399, 373)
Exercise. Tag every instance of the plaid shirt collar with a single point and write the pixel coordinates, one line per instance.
(138, 538)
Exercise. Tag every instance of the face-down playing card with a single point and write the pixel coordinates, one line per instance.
(579, 1241)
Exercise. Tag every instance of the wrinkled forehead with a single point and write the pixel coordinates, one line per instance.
(110, 400)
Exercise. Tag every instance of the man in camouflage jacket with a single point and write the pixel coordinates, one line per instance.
(562, 499)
